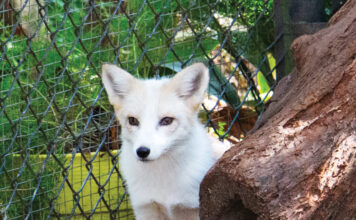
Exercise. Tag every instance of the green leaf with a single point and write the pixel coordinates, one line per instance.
(262, 83)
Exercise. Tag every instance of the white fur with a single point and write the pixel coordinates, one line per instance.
(166, 186)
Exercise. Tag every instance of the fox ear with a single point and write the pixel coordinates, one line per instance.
(117, 82)
(191, 83)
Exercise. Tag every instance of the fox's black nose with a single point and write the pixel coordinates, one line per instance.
(142, 152)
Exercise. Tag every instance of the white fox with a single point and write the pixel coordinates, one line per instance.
(165, 149)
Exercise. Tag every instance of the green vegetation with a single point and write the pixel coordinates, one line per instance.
(21, 192)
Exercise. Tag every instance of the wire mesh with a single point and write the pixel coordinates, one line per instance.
(59, 142)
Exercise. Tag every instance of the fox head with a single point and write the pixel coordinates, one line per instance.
(156, 116)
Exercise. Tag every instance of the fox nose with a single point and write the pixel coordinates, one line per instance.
(142, 152)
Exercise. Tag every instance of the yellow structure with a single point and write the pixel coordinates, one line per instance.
(82, 177)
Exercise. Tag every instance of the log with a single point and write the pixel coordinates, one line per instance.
(299, 162)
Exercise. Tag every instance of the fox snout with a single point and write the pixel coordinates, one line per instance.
(143, 152)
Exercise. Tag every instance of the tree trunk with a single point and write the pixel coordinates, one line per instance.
(299, 162)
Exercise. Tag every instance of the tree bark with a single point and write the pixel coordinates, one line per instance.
(299, 162)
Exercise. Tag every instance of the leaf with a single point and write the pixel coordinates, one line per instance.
(262, 83)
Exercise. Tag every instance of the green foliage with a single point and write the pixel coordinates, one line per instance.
(221, 128)
(256, 16)
(24, 187)
(165, 17)
(250, 10)
(252, 35)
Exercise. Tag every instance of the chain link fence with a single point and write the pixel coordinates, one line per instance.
(59, 142)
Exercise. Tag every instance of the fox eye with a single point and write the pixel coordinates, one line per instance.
(166, 121)
(133, 121)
